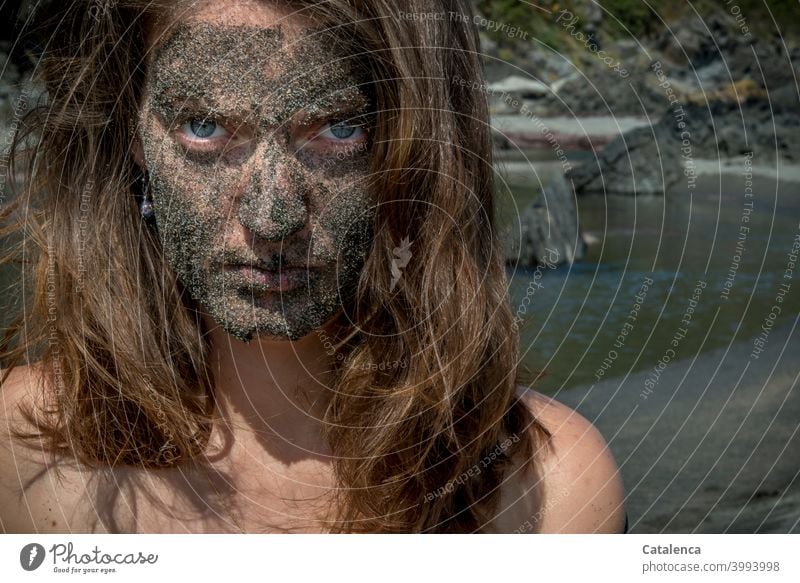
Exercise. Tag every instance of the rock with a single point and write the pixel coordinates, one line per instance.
(549, 65)
(548, 231)
(602, 91)
(772, 65)
(519, 86)
(785, 99)
(650, 160)
(13, 100)
(699, 41)
(628, 166)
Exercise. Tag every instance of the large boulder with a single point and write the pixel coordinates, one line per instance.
(599, 90)
(650, 160)
(700, 40)
(547, 231)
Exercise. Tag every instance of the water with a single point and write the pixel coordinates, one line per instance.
(584, 323)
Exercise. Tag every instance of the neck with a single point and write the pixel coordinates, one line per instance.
(271, 396)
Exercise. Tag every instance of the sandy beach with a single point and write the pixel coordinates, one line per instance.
(714, 447)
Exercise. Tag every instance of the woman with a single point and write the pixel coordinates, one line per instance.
(267, 290)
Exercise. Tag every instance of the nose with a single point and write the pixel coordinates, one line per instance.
(274, 205)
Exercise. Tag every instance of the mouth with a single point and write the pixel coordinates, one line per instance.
(283, 279)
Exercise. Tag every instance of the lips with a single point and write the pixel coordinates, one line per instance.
(283, 279)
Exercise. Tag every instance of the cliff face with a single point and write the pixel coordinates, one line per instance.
(613, 20)
(599, 60)
(718, 82)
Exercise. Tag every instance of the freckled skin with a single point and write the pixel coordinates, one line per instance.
(270, 199)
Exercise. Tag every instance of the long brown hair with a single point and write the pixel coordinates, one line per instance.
(122, 348)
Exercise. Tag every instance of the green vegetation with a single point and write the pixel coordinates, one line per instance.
(510, 12)
(626, 18)
(785, 12)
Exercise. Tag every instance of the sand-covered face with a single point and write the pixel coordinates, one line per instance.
(256, 142)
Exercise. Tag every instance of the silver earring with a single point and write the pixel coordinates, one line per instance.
(146, 205)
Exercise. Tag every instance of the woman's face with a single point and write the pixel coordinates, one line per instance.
(254, 134)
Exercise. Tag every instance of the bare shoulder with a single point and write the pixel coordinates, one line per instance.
(577, 487)
(19, 465)
(33, 496)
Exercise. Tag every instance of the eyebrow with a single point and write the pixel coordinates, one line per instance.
(350, 101)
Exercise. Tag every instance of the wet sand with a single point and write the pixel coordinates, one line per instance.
(714, 448)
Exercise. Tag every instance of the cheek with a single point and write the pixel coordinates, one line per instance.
(183, 189)
(192, 209)
(345, 221)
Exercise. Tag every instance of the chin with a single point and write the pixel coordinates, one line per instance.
(275, 329)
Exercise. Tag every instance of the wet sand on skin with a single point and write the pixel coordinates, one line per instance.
(714, 448)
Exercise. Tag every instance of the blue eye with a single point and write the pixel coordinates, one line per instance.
(203, 129)
(342, 130)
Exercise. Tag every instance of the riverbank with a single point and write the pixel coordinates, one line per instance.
(514, 132)
(525, 166)
(713, 447)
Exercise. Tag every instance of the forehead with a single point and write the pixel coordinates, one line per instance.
(252, 54)
(253, 13)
